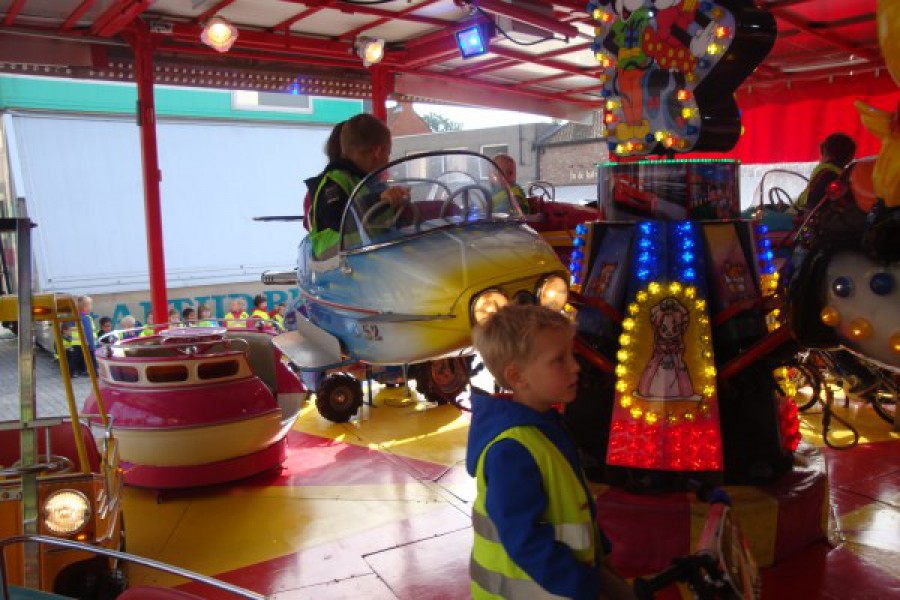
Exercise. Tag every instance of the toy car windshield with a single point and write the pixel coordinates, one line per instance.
(441, 190)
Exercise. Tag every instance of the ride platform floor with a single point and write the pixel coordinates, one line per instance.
(379, 509)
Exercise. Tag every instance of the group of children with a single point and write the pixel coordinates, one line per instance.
(101, 331)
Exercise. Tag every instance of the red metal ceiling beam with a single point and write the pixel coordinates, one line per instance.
(13, 12)
(399, 15)
(536, 60)
(511, 10)
(824, 34)
(76, 14)
(566, 94)
(497, 87)
(212, 11)
(291, 44)
(502, 63)
(359, 9)
(546, 79)
(265, 56)
(313, 8)
(118, 16)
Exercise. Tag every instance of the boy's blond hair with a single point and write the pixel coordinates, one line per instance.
(508, 336)
(363, 133)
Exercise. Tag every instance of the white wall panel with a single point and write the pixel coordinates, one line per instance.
(82, 180)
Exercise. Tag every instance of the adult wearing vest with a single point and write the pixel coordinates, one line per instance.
(836, 150)
(559, 558)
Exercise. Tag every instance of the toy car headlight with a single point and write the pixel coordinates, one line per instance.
(553, 292)
(486, 304)
(66, 512)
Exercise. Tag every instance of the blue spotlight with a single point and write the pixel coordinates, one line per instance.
(471, 41)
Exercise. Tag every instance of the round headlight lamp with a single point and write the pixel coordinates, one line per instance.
(485, 304)
(66, 512)
(553, 292)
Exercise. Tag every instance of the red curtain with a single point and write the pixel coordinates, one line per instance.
(783, 124)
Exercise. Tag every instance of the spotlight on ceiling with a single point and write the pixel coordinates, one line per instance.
(219, 34)
(370, 50)
(472, 41)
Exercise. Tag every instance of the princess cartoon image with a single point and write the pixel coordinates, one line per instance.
(666, 376)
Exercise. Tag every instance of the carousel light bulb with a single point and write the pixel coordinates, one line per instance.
(621, 386)
(894, 342)
(709, 390)
(830, 316)
(621, 370)
(659, 136)
(651, 418)
(700, 304)
(636, 412)
(713, 49)
(622, 355)
(642, 297)
(675, 287)
(654, 288)
(688, 416)
(624, 340)
(710, 371)
(722, 31)
(628, 324)
(626, 401)
(690, 292)
(633, 309)
(860, 329)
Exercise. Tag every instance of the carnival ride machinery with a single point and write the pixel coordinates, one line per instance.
(400, 296)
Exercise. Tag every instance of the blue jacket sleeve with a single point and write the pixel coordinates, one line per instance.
(515, 502)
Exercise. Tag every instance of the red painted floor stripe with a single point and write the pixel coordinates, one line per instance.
(846, 467)
(318, 461)
(829, 574)
(347, 558)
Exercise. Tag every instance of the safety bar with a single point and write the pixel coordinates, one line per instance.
(123, 556)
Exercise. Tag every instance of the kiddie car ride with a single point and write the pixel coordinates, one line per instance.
(196, 406)
(407, 285)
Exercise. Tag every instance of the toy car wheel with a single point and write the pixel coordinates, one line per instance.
(339, 397)
(443, 380)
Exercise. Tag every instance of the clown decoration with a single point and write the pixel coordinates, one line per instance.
(659, 56)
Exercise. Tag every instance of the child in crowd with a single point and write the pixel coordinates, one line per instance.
(71, 352)
(534, 516)
(278, 315)
(236, 315)
(189, 317)
(105, 334)
(260, 308)
(174, 318)
(205, 317)
(127, 326)
(366, 147)
(148, 328)
(837, 150)
(85, 306)
(507, 166)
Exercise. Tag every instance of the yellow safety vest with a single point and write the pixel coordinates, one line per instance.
(494, 574)
(146, 331)
(236, 321)
(76, 337)
(324, 240)
(280, 320)
(802, 198)
(207, 324)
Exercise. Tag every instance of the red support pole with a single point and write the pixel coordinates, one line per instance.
(143, 54)
(380, 90)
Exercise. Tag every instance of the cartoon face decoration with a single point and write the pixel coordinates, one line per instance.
(734, 274)
(598, 286)
(862, 300)
(667, 66)
(666, 376)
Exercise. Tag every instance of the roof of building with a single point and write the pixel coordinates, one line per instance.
(568, 133)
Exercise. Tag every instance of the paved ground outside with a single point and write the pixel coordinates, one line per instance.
(50, 394)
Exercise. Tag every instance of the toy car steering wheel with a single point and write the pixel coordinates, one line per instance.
(779, 200)
(405, 203)
(485, 200)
